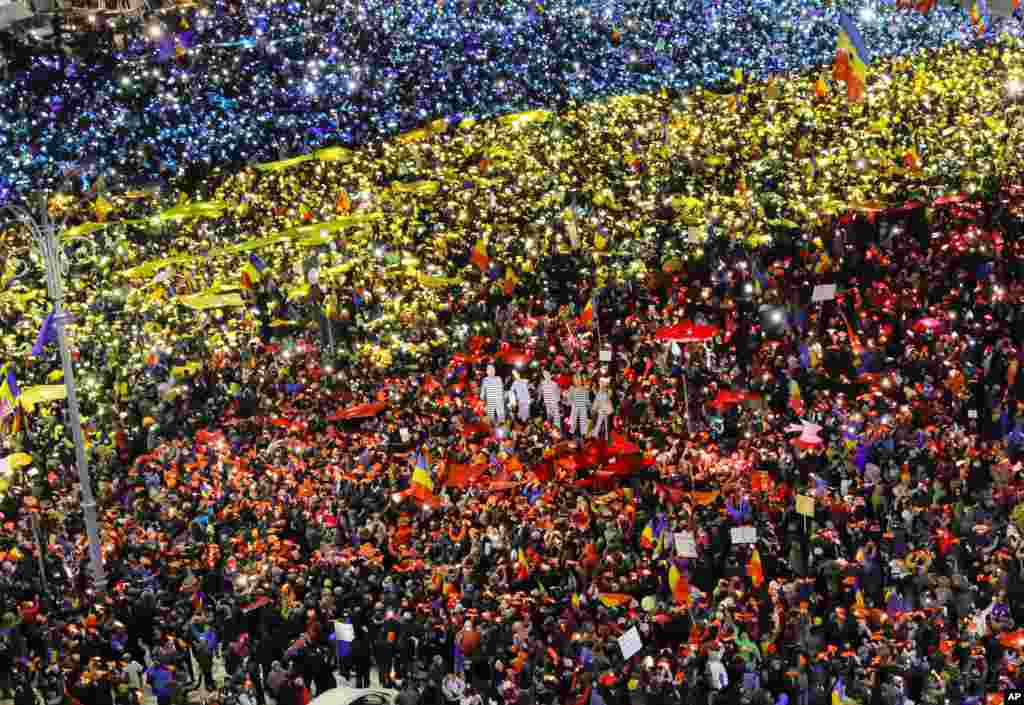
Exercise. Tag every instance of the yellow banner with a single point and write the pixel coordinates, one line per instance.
(42, 394)
(205, 301)
(274, 167)
(432, 282)
(425, 188)
(83, 230)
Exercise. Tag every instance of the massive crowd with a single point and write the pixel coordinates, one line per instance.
(169, 97)
(483, 406)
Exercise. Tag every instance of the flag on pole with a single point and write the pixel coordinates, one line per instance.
(979, 17)
(680, 585)
(851, 60)
(422, 484)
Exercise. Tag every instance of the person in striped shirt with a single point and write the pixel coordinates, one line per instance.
(492, 392)
(552, 395)
(521, 390)
(603, 409)
(579, 403)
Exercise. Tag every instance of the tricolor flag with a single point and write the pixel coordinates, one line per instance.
(851, 59)
(422, 485)
(979, 17)
(479, 255)
(679, 585)
(651, 535)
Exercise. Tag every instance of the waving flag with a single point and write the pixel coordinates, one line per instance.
(680, 585)
(851, 60)
(649, 536)
(422, 484)
(979, 17)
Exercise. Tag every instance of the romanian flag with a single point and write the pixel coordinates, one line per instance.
(979, 17)
(479, 255)
(422, 484)
(250, 275)
(648, 539)
(851, 59)
(522, 565)
(679, 585)
(754, 569)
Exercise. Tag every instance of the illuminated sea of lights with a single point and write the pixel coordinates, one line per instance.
(223, 86)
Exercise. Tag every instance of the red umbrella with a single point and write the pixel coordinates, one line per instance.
(686, 332)
(927, 325)
(360, 411)
(732, 396)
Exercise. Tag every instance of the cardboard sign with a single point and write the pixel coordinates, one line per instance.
(805, 505)
(972, 413)
(823, 292)
(630, 643)
(686, 545)
(743, 534)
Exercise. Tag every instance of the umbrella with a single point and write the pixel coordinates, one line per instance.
(360, 411)
(686, 332)
(732, 396)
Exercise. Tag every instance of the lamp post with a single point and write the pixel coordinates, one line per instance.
(44, 233)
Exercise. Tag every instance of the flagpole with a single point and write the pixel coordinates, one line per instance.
(43, 231)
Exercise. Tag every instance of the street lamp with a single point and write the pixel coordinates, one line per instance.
(44, 233)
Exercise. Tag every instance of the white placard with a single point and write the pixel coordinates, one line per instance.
(823, 292)
(743, 534)
(343, 631)
(606, 356)
(630, 643)
(404, 433)
(686, 545)
(972, 413)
